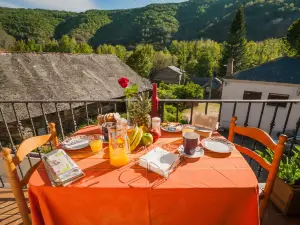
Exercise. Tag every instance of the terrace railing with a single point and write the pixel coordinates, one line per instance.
(20, 119)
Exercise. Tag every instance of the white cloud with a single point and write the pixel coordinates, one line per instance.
(68, 5)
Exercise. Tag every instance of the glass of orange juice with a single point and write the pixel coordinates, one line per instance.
(96, 144)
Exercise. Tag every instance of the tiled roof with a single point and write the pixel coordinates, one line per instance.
(282, 70)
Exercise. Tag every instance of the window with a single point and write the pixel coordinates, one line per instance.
(279, 97)
(252, 95)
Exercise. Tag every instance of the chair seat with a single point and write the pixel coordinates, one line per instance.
(261, 187)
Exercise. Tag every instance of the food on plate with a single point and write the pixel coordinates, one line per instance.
(171, 127)
(147, 139)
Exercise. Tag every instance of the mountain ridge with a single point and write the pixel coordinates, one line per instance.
(156, 24)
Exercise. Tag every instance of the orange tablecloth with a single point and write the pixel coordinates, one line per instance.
(216, 189)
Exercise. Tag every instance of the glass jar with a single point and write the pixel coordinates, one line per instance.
(156, 124)
(118, 144)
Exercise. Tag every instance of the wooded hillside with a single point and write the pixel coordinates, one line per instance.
(157, 24)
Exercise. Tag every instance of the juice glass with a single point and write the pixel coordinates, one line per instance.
(96, 144)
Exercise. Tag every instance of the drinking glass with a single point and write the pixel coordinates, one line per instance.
(96, 144)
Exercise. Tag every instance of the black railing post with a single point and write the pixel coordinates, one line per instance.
(246, 120)
(13, 147)
(287, 117)
(294, 137)
(192, 113)
(258, 126)
(162, 105)
(87, 113)
(33, 127)
(46, 124)
(45, 118)
(220, 110)
(60, 122)
(206, 108)
(272, 124)
(177, 112)
(261, 114)
(20, 129)
(234, 109)
(73, 118)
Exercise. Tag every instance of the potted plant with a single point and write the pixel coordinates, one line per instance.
(286, 190)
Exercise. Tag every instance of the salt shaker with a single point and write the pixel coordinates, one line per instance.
(156, 124)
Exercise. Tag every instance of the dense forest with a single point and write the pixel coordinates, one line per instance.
(156, 24)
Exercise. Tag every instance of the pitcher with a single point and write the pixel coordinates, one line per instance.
(118, 144)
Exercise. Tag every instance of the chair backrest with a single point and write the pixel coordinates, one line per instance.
(205, 121)
(264, 138)
(11, 163)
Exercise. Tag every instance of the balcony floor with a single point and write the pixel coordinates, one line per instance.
(9, 213)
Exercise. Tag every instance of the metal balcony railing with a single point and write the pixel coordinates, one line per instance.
(21, 119)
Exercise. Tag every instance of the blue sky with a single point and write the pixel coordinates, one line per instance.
(80, 5)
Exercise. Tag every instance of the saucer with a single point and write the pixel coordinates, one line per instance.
(198, 153)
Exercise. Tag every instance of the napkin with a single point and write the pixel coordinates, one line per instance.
(160, 161)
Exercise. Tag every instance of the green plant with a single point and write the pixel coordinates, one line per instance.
(139, 109)
(289, 168)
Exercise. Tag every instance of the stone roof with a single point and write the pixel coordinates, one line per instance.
(204, 81)
(58, 76)
(281, 70)
(176, 69)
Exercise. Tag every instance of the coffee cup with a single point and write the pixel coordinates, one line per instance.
(190, 142)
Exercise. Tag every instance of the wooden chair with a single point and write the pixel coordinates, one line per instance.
(264, 138)
(205, 121)
(11, 163)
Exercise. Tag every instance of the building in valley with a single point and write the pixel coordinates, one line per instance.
(169, 75)
(278, 79)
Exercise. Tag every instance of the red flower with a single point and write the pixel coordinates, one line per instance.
(123, 82)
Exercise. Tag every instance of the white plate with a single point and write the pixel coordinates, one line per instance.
(198, 153)
(216, 144)
(173, 131)
(76, 142)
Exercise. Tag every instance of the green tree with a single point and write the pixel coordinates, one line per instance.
(191, 67)
(177, 91)
(206, 65)
(64, 44)
(84, 48)
(121, 52)
(73, 45)
(142, 60)
(180, 49)
(163, 59)
(20, 46)
(235, 46)
(106, 49)
(293, 36)
(51, 46)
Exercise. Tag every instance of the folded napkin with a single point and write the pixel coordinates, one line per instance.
(61, 169)
(160, 161)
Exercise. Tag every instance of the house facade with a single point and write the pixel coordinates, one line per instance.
(169, 75)
(279, 79)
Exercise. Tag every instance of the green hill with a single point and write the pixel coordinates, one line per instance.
(157, 24)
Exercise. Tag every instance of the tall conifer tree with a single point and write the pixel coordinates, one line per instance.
(235, 46)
